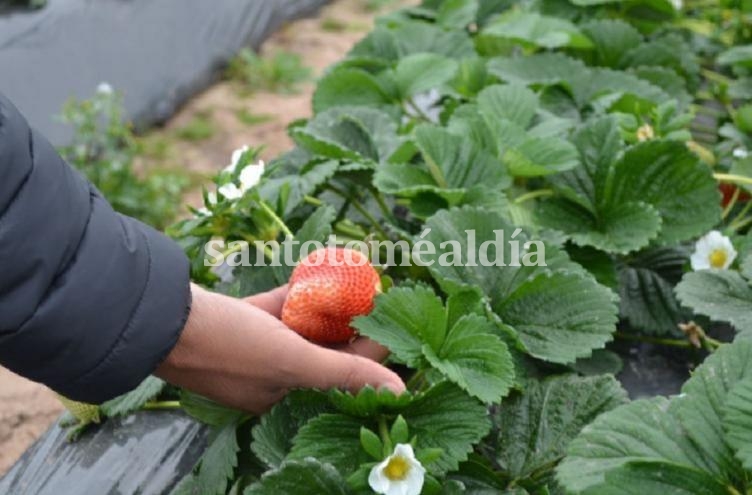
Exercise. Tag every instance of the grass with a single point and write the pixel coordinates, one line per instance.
(376, 5)
(200, 128)
(333, 25)
(282, 72)
(249, 118)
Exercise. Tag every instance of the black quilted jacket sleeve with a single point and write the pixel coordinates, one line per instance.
(90, 301)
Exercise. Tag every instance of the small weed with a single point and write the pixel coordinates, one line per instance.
(280, 73)
(376, 5)
(250, 119)
(333, 25)
(104, 149)
(200, 128)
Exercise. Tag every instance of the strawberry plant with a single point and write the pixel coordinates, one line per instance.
(595, 138)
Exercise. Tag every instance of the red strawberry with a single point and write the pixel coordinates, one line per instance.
(727, 190)
(329, 288)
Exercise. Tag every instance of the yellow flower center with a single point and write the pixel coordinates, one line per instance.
(645, 133)
(397, 468)
(718, 258)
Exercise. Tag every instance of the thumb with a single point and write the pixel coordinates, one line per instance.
(336, 369)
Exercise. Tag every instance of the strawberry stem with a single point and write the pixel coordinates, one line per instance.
(280, 223)
(731, 203)
(161, 406)
(540, 193)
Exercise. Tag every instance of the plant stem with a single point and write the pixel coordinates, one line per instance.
(734, 179)
(732, 490)
(313, 201)
(655, 340)
(384, 434)
(361, 209)
(740, 217)
(731, 203)
(415, 380)
(415, 108)
(161, 406)
(280, 223)
(385, 210)
(741, 224)
(540, 193)
(715, 76)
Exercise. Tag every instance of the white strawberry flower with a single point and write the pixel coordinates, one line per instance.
(399, 474)
(740, 153)
(104, 88)
(713, 250)
(248, 178)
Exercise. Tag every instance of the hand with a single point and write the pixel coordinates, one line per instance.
(239, 353)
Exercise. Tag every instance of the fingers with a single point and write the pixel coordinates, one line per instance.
(334, 369)
(363, 346)
(271, 301)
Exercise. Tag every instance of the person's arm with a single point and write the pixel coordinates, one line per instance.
(92, 302)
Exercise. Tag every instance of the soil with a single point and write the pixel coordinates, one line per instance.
(27, 409)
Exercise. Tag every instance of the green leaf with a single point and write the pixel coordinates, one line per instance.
(641, 477)
(737, 421)
(669, 51)
(640, 431)
(302, 477)
(702, 405)
(618, 229)
(737, 55)
(422, 37)
(399, 433)
(474, 358)
(722, 295)
(219, 461)
(368, 402)
(678, 443)
(351, 133)
(422, 72)
(649, 169)
(599, 144)
(544, 68)
(287, 192)
(331, 438)
(608, 85)
(371, 443)
(622, 206)
(611, 39)
(536, 29)
(512, 102)
(600, 363)
(135, 399)
(206, 410)
(456, 169)
(541, 156)
(272, 437)
(349, 87)
(412, 323)
(446, 418)
(646, 290)
(405, 319)
(560, 317)
(532, 429)
(558, 311)
(457, 13)
(455, 162)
